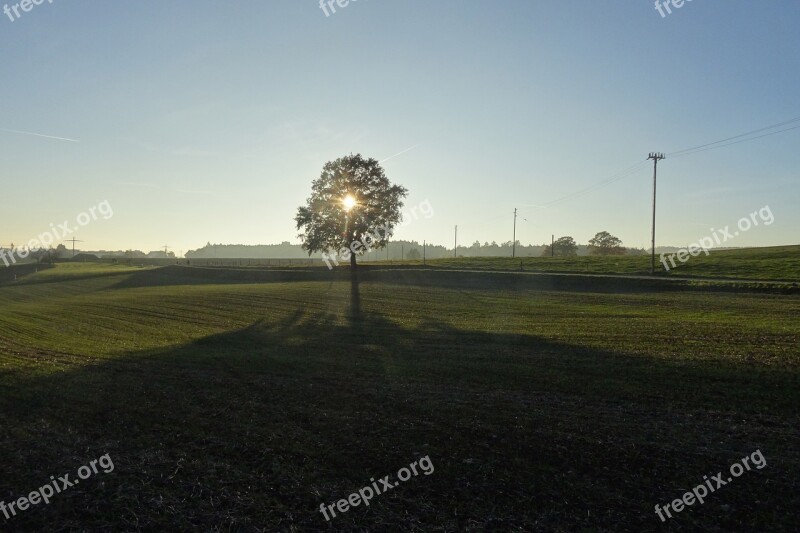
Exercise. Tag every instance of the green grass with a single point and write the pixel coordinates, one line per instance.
(244, 406)
(770, 264)
(72, 271)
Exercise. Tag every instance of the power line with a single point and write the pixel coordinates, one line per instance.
(73, 241)
(514, 240)
(642, 164)
(680, 153)
(614, 178)
(759, 130)
(656, 157)
(735, 142)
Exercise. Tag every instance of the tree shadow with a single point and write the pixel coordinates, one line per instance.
(355, 314)
(182, 275)
(10, 274)
(255, 428)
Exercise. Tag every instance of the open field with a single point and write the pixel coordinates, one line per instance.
(235, 405)
(779, 263)
(773, 264)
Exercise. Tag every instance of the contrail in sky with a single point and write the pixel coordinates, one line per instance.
(399, 153)
(40, 135)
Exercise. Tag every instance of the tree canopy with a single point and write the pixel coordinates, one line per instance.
(562, 247)
(606, 244)
(353, 208)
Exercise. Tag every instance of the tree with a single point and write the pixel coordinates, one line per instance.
(38, 255)
(605, 244)
(563, 246)
(414, 254)
(353, 209)
(50, 256)
(637, 251)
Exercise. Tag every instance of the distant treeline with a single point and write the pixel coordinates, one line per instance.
(397, 250)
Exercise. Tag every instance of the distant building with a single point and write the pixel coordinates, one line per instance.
(160, 254)
(83, 257)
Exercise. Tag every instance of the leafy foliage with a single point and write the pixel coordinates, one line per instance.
(604, 243)
(325, 222)
(563, 247)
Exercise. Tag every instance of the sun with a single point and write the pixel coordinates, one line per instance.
(349, 202)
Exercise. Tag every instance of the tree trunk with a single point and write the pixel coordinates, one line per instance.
(355, 296)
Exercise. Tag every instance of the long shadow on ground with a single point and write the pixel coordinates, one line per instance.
(253, 429)
(181, 275)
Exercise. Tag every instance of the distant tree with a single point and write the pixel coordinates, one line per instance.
(414, 254)
(46, 255)
(353, 207)
(475, 249)
(38, 255)
(637, 251)
(605, 244)
(564, 247)
(51, 255)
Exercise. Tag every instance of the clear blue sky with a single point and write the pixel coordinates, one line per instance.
(207, 121)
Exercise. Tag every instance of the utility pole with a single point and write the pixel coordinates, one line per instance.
(424, 245)
(73, 241)
(552, 245)
(402, 252)
(656, 157)
(514, 242)
(455, 245)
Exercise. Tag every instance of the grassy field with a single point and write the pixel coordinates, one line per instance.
(780, 263)
(244, 406)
